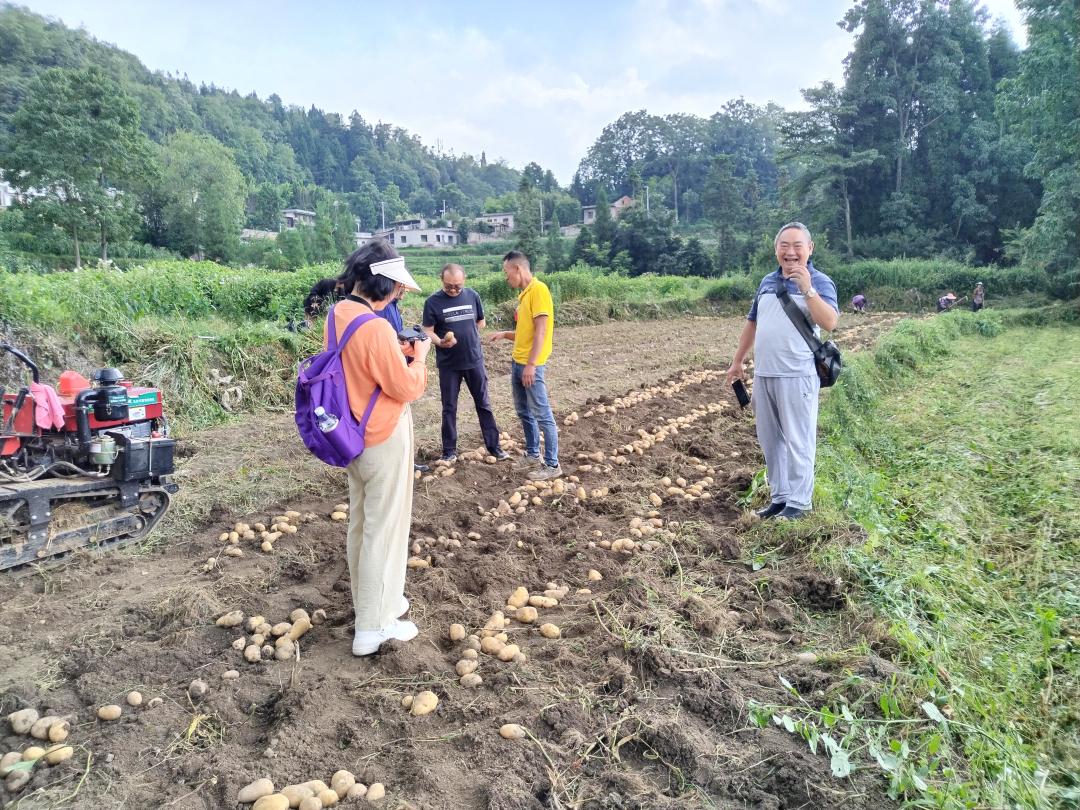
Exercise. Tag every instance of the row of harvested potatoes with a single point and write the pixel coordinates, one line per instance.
(312, 795)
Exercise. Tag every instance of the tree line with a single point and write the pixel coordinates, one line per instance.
(945, 139)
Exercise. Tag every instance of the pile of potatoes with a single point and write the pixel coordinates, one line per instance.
(534, 493)
(16, 767)
(645, 394)
(641, 528)
(280, 641)
(665, 429)
(312, 795)
(266, 535)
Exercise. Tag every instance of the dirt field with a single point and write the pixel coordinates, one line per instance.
(642, 703)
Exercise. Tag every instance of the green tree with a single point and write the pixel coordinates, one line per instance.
(694, 260)
(822, 140)
(527, 220)
(584, 248)
(76, 141)
(604, 226)
(725, 207)
(556, 255)
(266, 205)
(1042, 104)
(291, 243)
(203, 193)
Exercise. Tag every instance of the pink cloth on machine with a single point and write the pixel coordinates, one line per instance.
(48, 412)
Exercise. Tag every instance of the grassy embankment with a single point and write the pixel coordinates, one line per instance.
(956, 448)
(170, 322)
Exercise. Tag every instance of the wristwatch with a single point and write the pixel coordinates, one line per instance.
(811, 293)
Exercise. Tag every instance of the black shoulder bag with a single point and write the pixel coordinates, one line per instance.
(827, 359)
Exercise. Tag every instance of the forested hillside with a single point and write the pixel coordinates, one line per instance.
(282, 152)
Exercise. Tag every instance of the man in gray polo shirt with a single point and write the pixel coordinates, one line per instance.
(786, 384)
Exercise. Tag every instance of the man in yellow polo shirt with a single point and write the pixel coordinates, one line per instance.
(535, 318)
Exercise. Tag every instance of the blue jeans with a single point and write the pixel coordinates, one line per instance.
(534, 411)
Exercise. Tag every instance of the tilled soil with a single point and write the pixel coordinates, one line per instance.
(641, 704)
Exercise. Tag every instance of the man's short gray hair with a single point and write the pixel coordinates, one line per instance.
(788, 227)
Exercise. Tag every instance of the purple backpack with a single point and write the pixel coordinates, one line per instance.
(320, 383)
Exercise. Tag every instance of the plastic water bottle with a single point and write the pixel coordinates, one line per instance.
(327, 421)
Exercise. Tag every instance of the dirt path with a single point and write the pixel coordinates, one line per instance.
(641, 703)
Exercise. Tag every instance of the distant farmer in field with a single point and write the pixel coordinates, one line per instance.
(946, 302)
(322, 295)
(453, 317)
(978, 297)
(380, 479)
(532, 334)
(786, 383)
(858, 303)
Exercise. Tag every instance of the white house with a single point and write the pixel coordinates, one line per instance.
(500, 223)
(297, 216)
(417, 233)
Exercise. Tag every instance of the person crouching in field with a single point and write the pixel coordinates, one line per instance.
(786, 383)
(453, 317)
(381, 478)
(535, 318)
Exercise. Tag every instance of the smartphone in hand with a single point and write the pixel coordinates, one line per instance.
(740, 393)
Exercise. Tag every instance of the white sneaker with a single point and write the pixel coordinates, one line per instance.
(366, 642)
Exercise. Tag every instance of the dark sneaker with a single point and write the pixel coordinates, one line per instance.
(791, 513)
(449, 458)
(500, 454)
(772, 510)
(527, 462)
(421, 468)
(545, 473)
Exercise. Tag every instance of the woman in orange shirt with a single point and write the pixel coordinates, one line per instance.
(381, 479)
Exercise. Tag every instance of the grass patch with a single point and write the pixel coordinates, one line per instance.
(956, 446)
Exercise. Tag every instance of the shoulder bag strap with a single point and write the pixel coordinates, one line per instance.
(333, 344)
(797, 317)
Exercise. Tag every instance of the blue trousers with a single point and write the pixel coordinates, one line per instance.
(534, 411)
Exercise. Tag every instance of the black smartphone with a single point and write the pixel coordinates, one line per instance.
(740, 393)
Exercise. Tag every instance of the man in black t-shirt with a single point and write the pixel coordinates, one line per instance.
(453, 317)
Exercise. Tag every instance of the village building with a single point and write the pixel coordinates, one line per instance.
(417, 233)
(588, 212)
(499, 223)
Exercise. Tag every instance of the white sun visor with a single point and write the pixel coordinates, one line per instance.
(395, 269)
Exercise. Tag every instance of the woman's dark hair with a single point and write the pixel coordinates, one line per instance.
(322, 293)
(358, 271)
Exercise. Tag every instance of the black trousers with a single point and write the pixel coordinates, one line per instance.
(449, 386)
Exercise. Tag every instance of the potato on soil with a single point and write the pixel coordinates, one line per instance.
(465, 666)
(23, 720)
(341, 781)
(508, 652)
(253, 653)
(519, 598)
(406, 702)
(40, 729)
(198, 688)
(543, 601)
(134, 698)
(110, 712)
(549, 630)
(230, 619)
(526, 615)
(301, 626)
(59, 731)
(285, 651)
(230, 675)
(318, 617)
(328, 797)
(16, 780)
(33, 753)
(511, 731)
(296, 794)
(339, 516)
(255, 791)
(375, 792)
(469, 654)
(310, 803)
(233, 551)
(424, 703)
(491, 645)
(594, 575)
(59, 753)
(357, 791)
(457, 632)
(275, 801)
(470, 681)
(281, 628)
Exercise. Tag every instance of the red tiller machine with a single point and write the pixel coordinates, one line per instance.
(85, 466)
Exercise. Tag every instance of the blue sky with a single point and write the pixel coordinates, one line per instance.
(520, 82)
